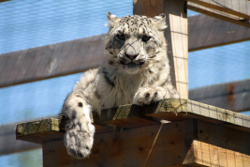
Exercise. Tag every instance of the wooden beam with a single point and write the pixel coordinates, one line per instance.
(51, 60)
(204, 154)
(130, 116)
(77, 56)
(213, 138)
(234, 7)
(206, 32)
(4, 1)
(219, 11)
(176, 145)
(8, 141)
(234, 96)
(176, 35)
(128, 148)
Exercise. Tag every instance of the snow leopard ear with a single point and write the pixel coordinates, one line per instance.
(113, 19)
(161, 21)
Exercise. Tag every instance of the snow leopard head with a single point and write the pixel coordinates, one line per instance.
(134, 42)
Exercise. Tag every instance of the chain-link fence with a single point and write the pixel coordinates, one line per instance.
(29, 24)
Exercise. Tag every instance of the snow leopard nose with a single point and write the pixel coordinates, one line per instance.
(131, 57)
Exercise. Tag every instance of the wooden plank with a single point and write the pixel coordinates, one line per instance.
(76, 56)
(132, 116)
(8, 141)
(212, 155)
(219, 14)
(130, 147)
(219, 135)
(182, 143)
(177, 33)
(217, 145)
(149, 8)
(51, 61)
(234, 96)
(207, 32)
(4, 0)
(226, 6)
(50, 129)
(39, 130)
(179, 109)
(201, 33)
(199, 135)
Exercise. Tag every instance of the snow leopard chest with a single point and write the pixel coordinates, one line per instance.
(121, 93)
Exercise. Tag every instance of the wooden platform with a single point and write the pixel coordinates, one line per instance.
(130, 135)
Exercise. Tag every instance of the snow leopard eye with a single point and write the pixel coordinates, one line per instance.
(79, 104)
(121, 37)
(145, 38)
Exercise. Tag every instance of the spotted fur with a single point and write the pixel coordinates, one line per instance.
(135, 70)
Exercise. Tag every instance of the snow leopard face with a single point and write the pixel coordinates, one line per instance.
(134, 41)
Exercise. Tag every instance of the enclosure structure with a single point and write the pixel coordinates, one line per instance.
(79, 55)
(195, 134)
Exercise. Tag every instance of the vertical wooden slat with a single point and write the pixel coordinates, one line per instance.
(238, 160)
(149, 8)
(176, 11)
(176, 35)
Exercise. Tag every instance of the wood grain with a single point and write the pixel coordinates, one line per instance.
(8, 141)
(51, 61)
(77, 56)
(189, 143)
(231, 6)
(196, 134)
(177, 37)
(132, 116)
(234, 96)
(220, 14)
(128, 148)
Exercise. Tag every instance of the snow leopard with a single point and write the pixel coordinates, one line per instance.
(135, 70)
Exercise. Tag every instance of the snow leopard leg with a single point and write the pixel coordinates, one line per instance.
(79, 135)
(146, 95)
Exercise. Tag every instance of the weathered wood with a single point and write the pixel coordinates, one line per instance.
(132, 116)
(4, 0)
(176, 35)
(234, 96)
(8, 141)
(149, 8)
(185, 143)
(234, 7)
(177, 109)
(51, 60)
(39, 131)
(205, 154)
(205, 32)
(129, 147)
(219, 135)
(220, 146)
(219, 14)
(199, 135)
(51, 129)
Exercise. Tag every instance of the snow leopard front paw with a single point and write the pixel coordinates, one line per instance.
(148, 95)
(79, 137)
(79, 131)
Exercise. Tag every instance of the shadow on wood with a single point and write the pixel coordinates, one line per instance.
(130, 135)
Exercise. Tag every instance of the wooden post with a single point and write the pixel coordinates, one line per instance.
(176, 35)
